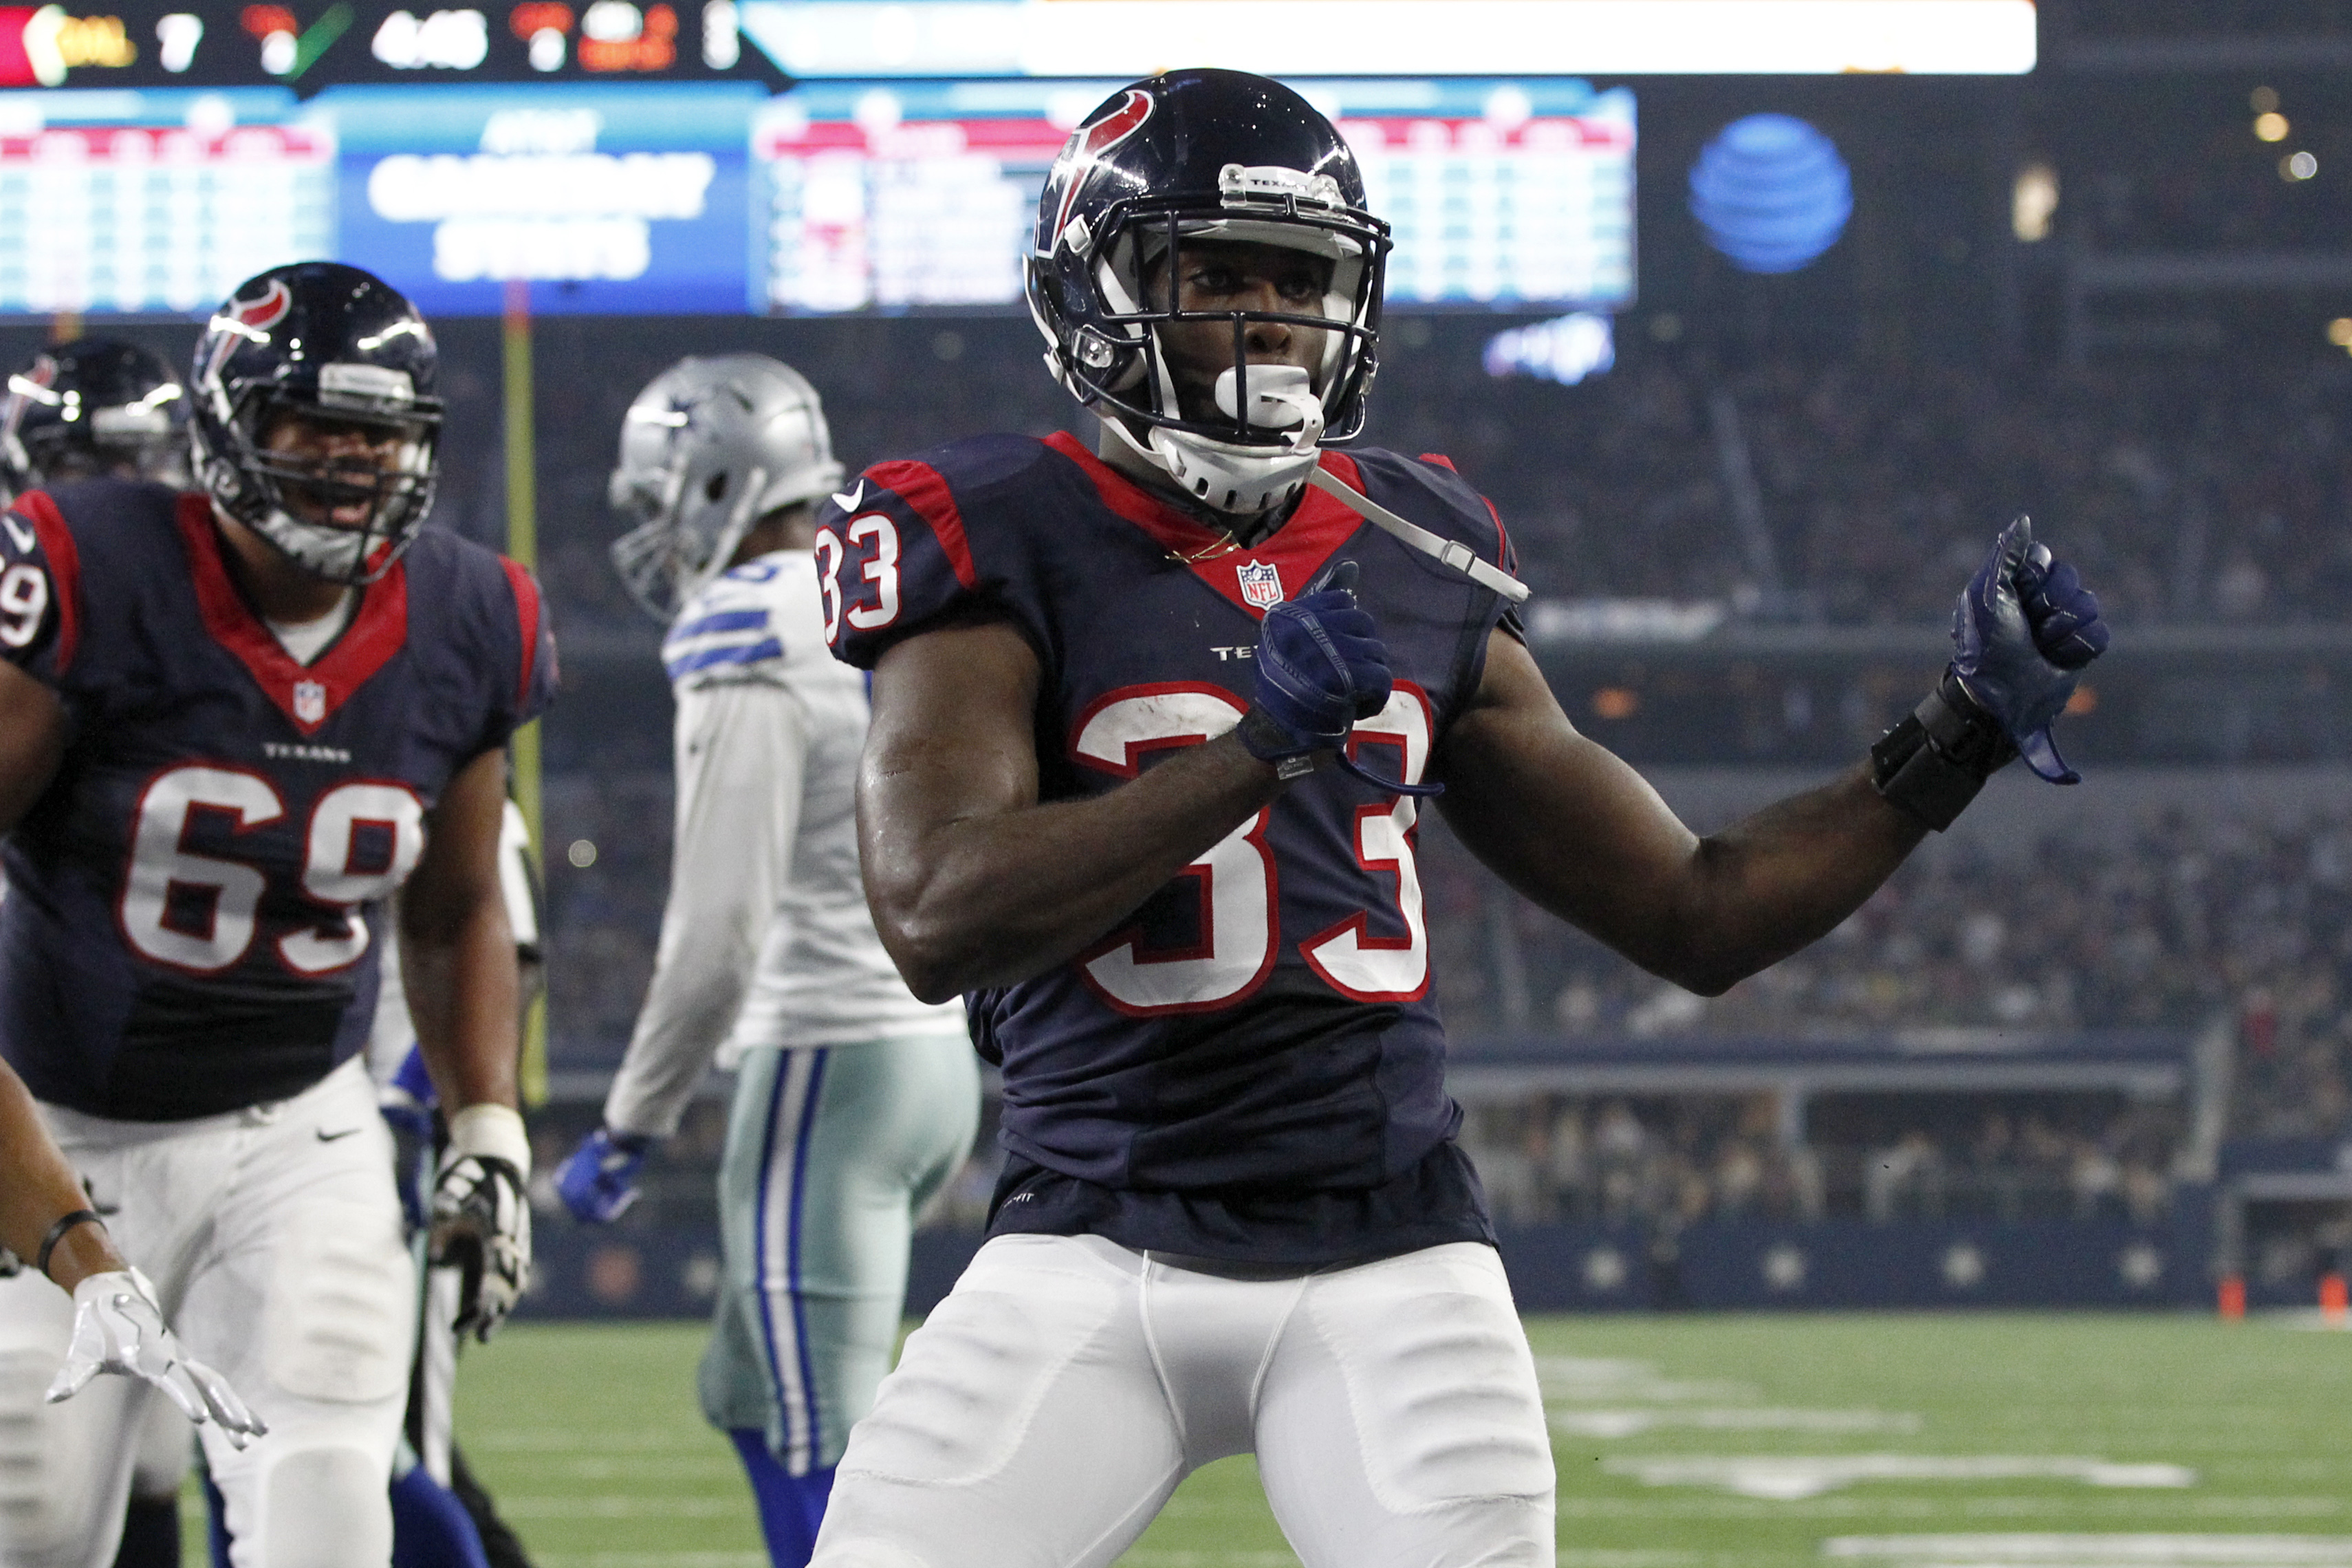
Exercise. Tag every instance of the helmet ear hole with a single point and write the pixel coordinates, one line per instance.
(715, 487)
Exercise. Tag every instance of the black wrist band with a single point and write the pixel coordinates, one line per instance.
(1933, 763)
(1268, 742)
(66, 1221)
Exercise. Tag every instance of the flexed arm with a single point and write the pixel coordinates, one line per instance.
(1577, 831)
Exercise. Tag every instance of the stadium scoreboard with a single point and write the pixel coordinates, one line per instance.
(816, 156)
(687, 197)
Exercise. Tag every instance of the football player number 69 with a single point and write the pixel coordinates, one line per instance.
(1237, 879)
(198, 912)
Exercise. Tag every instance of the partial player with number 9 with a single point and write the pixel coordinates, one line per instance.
(234, 721)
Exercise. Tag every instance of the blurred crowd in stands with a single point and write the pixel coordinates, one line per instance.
(1687, 1158)
(2222, 495)
(2189, 923)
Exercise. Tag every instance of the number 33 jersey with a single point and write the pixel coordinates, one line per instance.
(194, 902)
(1251, 1067)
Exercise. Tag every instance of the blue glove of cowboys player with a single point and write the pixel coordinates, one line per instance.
(599, 1182)
(1320, 666)
(2022, 633)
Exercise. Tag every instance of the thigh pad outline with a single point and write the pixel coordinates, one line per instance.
(1439, 1383)
(342, 1305)
(974, 1375)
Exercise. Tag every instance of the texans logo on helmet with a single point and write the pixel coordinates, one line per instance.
(267, 310)
(1091, 143)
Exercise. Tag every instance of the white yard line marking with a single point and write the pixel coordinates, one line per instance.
(1586, 1422)
(1792, 1478)
(2137, 1551)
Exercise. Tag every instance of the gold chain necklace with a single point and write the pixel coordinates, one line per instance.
(1217, 549)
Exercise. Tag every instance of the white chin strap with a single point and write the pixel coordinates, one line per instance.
(1227, 475)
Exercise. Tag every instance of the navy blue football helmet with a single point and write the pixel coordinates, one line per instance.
(91, 408)
(339, 349)
(1201, 156)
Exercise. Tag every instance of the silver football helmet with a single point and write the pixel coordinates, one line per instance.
(709, 447)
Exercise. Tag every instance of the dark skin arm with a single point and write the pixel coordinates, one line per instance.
(37, 1184)
(37, 1188)
(456, 948)
(1577, 831)
(972, 882)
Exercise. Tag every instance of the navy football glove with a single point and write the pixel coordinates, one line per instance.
(2022, 633)
(599, 1182)
(1320, 666)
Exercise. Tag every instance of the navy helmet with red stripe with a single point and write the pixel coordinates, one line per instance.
(342, 353)
(91, 408)
(1199, 156)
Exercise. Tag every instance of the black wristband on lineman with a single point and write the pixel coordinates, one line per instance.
(66, 1221)
(1934, 762)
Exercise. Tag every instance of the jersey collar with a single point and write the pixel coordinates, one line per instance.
(309, 695)
(1256, 578)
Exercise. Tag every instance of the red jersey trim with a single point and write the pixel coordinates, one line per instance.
(309, 695)
(527, 615)
(1279, 567)
(920, 485)
(65, 568)
(1502, 537)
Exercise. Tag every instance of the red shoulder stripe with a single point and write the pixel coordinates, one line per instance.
(1502, 539)
(922, 487)
(65, 568)
(526, 615)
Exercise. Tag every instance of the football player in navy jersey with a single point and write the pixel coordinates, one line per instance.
(1151, 729)
(233, 723)
(98, 409)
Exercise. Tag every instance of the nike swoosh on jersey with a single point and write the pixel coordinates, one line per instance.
(848, 501)
(327, 1137)
(19, 533)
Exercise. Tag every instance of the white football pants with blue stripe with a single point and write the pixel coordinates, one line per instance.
(831, 1153)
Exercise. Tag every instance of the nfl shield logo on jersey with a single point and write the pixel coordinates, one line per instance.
(309, 702)
(1261, 584)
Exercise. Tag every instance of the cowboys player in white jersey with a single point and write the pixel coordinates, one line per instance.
(854, 1102)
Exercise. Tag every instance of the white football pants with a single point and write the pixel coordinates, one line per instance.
(1051, 1403)
(273, 1237)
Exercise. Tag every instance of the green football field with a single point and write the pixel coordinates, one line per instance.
(1915, 1441)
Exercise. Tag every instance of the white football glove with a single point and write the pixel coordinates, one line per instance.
(119, 1328)
(481, 1220)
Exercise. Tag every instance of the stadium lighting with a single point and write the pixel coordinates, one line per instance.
(2271, 127)
(2298, 166)
(2339, 332)
(2034, 202)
